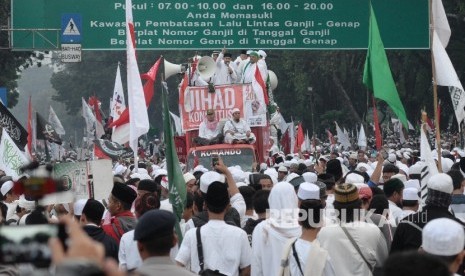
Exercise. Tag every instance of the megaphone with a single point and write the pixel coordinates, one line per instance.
(273, 80)
(206, 67)
(173, 69)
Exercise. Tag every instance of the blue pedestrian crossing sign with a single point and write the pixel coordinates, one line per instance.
(71, 28)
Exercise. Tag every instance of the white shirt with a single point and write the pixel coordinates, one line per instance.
(128, 254)
(207, 133)
(344, 256)
(248, 72)
(302, 247)
(222, 75)
(225, 248)
(395, 213)
(240, 127)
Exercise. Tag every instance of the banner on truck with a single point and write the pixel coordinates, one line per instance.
(197, 100)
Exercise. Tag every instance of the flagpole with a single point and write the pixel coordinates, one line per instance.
(435, 89)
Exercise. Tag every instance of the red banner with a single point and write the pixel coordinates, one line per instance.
(181, 149)
(195, 101)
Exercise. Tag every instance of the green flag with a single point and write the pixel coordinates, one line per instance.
(177, 185)
(377, 74)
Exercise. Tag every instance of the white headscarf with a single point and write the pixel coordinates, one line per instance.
(284, 210)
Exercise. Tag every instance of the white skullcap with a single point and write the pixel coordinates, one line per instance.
(392, 158)
(446, 164)
(263, 166)
(353, 178)
(159, 172)
(403, 167)
(6, 187)
(310, 177)
(208, 178)
(410, 194)
(261, 53)
(353, 156)
(79, 206)
(291, 176)
(412, 183)
(200, 168)
(237, 174)
(287, 163)
(188, 177)
(271, 172)
(415, 169)
(400, 176)
(282, 169)
(443, 237)
(26, 204)
(309, 162)
(308, 191)
(441, 182)
(249, 51)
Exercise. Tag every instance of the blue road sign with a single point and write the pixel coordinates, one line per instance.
(71, 28)
(3, 96)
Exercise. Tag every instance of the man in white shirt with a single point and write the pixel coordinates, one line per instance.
(225, 247)
(10, 199)
(393, 189)
(209, 132)
(225, 69)
(237, 131)
(369, 249)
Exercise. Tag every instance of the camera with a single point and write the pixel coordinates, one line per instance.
(29, 243)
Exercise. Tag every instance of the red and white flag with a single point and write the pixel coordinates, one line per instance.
(138, 117)
(118, 103)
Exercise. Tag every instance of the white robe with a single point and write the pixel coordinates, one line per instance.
(270, 236)
(346, 259)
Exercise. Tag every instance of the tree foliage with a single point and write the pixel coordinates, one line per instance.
(12, 63)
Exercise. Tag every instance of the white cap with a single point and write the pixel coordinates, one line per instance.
(415, 169)
(392, 158)
(404, 168)
(410, 194)
(446, 164)
(310, 177)
(26, 204)
(261, 53)
(79, 206)
(6, 187)
(208, 178)
(263, 166)
(200, 168)
(188, 177)
(249, 51)
(291, 176)
(159, 172)
(235, 110)
(271, 172)
(412, 183)
(353, 156)
(309, 162)
(308, 191)
(443, 237)
(441, 182)
(353, 178)
(237, 174)
(400, 176)
(282, 169)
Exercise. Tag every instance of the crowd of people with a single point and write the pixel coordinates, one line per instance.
(345, 213)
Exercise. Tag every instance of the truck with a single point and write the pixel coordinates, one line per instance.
(194, 102)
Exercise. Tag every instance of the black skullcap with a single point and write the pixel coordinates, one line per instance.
(297, 181)
(243, 52)
(154, 223)
(217, 194)
(333, 167)
(227, 55)
(147, 185)
(123, 193)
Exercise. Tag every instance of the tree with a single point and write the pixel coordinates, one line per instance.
(12, 63)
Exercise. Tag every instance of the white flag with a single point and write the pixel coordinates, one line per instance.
(11, 157)
(441, 25)
(91, 121)
(138, 116)
(291, 128)
(362, 139)
(55, 122)
(342, 138)
(118, 104)
(177, 123)
(428, 164)
(446, 76)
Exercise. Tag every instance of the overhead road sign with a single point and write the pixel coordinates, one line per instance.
(213, 24)
(71, 24)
